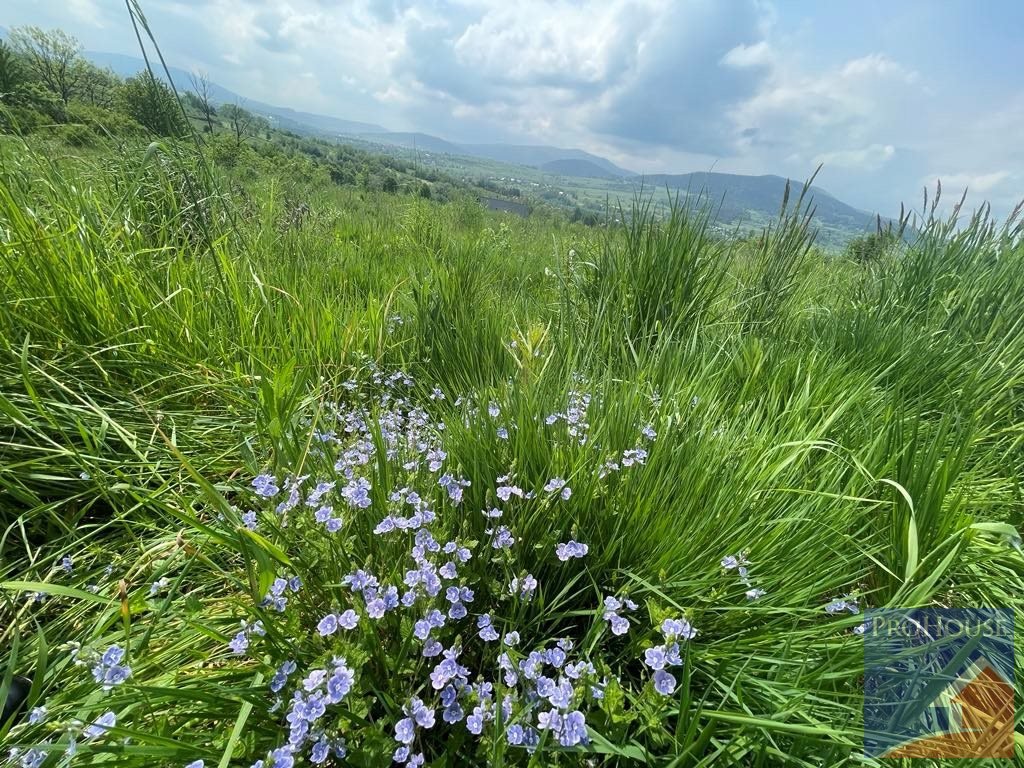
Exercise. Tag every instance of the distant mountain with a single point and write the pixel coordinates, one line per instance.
(423, 142)
(738, 198)
(568, 162)
(738, 195)
(584, 169)
(282, 117)
(538, 155)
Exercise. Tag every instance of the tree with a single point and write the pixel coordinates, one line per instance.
(152, 104)
(11, 73)
(51, 56)
(96, 87)
(242, 121)
(201, 88)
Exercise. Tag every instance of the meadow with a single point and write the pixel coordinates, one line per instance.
(294, 473)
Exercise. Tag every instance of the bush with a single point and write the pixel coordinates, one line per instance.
(107, 123)
(76, 134)
(152, 104)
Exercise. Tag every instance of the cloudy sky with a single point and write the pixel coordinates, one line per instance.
(889, 96)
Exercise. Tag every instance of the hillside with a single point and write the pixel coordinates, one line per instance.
(739, 195)
(742, 200)
(580, 168)
(284, 118)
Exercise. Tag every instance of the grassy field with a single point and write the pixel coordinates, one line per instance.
(386, 477)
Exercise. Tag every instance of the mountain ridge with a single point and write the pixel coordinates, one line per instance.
(735, 196)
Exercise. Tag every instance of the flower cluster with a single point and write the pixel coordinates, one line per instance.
(429, 580)
(660, 657)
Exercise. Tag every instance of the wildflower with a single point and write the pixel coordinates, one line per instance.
(664, 682)
(844, 604)
(524, 587)
(432, 648)
(34, 758)
(158, 586)
(196, 764)
(37, 715)
(649, 432)
(328, 625)
(108, 670)
(574, 730)
(755, 593)
(503, 538)
(320, 751)
(506, 492)
(239, 643)
(677, 628)
(656, 657)
(340, 682)
(502, 433)
(729, 562)
(557, 485)
(280, 678)
(264, 485)
(487, 632)
(103, 723)
(67, 563)
(571, 549)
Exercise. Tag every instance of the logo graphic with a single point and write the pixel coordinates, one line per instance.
(939, 683)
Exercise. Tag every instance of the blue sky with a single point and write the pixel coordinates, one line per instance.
(889, 96)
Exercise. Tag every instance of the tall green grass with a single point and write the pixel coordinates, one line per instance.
(853, 428)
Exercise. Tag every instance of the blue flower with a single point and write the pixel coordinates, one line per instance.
(328, 625)
(677, 628)
(487, 632)
(280, 678)
(108, 670)
(571, 549)
(574, 730)
(196, 764)
(664, 682)
(514, 735)
(320, 751)
(103, 723)
(37, 716)
(655, 657)
(265, 486)
(503, 538)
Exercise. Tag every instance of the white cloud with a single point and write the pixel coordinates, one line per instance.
(869, 158)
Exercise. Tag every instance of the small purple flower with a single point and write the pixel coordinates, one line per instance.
(487, 632)
(664, 682)
(328, 625)
(755, 593)
(103, 723)
(571, 549)
(265, 486)
(503, 538)
(574, 730)
(280, 678)
(677, 628)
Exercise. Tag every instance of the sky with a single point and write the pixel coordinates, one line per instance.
(888, 96)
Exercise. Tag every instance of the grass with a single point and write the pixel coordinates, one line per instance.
(853, 429)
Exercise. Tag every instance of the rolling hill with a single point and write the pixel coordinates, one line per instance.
(741, 199)
(738, 195)
(584, 169)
